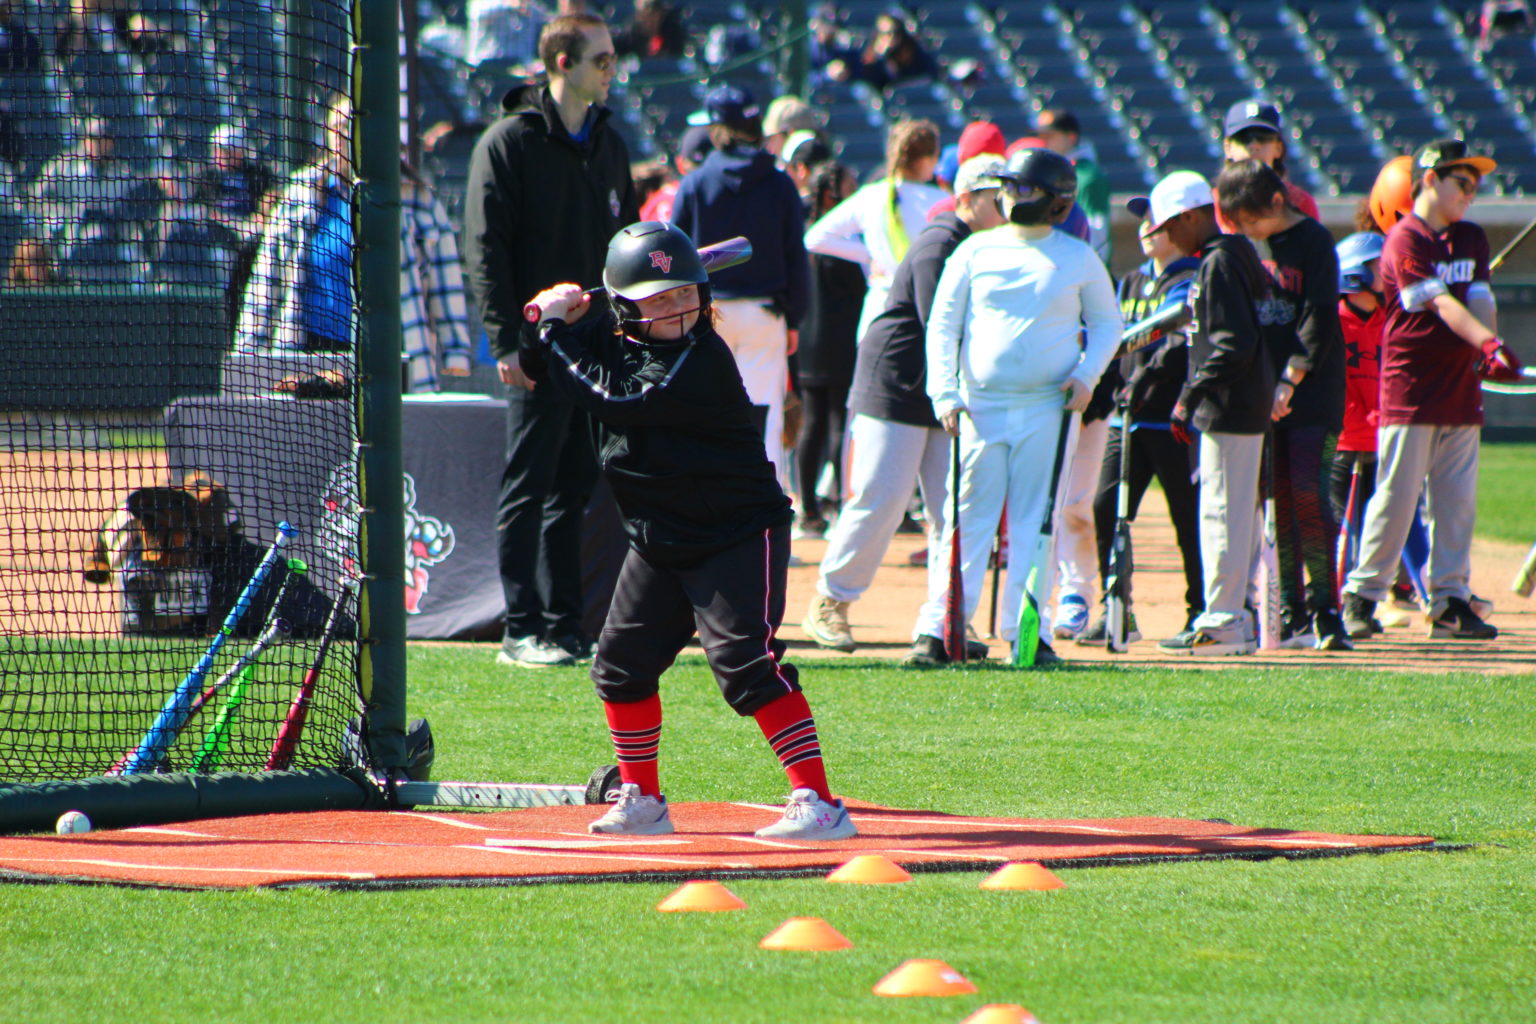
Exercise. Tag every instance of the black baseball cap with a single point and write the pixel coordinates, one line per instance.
(1058, 119)
(730, 105)
(1251, 114)
(1444, 153)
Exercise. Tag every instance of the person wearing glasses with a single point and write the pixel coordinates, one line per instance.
(1252, 131)
(549, 184)
(1440, 337)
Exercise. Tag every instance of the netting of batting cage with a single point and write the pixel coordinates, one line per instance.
(179, 336)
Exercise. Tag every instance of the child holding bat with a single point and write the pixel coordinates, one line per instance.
(708, 524)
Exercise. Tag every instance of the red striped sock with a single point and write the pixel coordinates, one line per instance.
(636, 732)
(791, 732)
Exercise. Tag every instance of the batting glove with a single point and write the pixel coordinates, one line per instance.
(1178, 424)
(1498, 362)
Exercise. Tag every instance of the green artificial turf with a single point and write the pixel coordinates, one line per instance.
(1506, 493)
(1443, 936)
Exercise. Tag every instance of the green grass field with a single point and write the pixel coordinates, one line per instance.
(1443, 936)
(1506, 493)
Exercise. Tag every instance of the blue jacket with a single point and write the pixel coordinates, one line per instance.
(739, 191)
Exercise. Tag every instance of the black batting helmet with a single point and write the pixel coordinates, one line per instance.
(1046, 170)
(648, 258)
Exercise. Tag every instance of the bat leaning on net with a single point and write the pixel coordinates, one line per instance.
(954, 597)
(1027, 644)
(216, 739)
(298, 712)
(168, 723)
(729, 253)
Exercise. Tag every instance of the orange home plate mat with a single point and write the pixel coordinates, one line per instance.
(375, 849)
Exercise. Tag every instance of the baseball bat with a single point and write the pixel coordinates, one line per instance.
(954, 597)
(997, 572)
(1514, 244)
(729, 253)
(1153, 328)
(1027, 644)
(288, 734)
(1344, 551)
(1525, 579)
(1117, 587)
(173, 715)
(216, 739)
(1269, 557)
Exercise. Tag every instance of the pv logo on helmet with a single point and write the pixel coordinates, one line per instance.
(661, 261)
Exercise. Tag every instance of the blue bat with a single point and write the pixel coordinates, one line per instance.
(179, 706)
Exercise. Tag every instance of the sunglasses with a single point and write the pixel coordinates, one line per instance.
(602, 61)
(1467, 185)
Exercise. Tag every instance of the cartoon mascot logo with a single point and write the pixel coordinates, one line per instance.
(428, 540)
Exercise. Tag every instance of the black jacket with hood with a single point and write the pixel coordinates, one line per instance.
(540, 208)
(1231, 385)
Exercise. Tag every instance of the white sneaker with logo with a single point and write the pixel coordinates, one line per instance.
(807, 816)
(635, 814)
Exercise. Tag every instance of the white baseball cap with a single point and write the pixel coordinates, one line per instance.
(1178, 193)
(979, 172)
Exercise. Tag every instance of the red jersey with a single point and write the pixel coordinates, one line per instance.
(1428, 373)
(659, 205)
(1362, 377)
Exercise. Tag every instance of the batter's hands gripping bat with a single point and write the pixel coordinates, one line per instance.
(178, 707)
(729, 253)
(1027, 643)
(298, 712)
(1117, 588)
(216, 739)
(954, 597)
(1269, 558)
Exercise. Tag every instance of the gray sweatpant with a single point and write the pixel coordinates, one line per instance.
(1229, 530)
(1412, 460)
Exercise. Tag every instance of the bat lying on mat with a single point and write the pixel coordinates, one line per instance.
(729, 253)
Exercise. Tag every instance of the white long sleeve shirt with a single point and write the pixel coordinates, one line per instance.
(1008, 320)
(858, 228)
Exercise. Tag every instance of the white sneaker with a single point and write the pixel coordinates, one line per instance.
(1071, 618)
(635, 814)
(809, 817)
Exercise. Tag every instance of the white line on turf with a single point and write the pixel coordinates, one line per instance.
(175, 832)
(441, 820)
(600, 855)
(586, 844)
(187, 867)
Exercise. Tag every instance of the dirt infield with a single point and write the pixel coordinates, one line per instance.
(368, 849)
(882, 619)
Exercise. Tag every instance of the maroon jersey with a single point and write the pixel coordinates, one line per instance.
(1428, 372)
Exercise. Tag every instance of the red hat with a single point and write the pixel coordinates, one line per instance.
(1027, 142)
(981, 137)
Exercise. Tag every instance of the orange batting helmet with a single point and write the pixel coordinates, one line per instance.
(1392, 195)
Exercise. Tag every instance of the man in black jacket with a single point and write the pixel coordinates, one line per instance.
(895, 436)
(1227, 397)
(549, 184)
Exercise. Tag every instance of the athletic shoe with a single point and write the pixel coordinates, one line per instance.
(1296, 631)
(1046, 657)
(928, 651)
(1331, 634)
(1071, 618)
(635, 814)
(1460, 622)
(574, 644)
(808, 816)
(918, 557)
(1097, 635)
(1481, 606)
(1360, 617)
(532, 652)
(809, 529)
(1394, 616)
(1198, 641)
(826, 622)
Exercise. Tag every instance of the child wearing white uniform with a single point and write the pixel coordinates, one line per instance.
(876, 225)
(1004, 344)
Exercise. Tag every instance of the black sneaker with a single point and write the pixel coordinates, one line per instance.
(1046, 657)
(1296, 630)
(1360, 617)
(574, 644)
(1460, 622)
(927, 652)
(1098, 633)
(1331, 634)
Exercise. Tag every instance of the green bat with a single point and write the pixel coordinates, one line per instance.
(216, 739)
(1028, 642)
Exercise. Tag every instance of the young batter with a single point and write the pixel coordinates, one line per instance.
(707, 521)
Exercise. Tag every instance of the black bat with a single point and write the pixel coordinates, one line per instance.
(729, 253)
(1117, 589)
(954, 599)
(1150, 330)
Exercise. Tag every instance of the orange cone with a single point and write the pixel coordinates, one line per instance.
(1001, 1013)
(702, 896)
(807, 933)
(924, 978)
(1022, 875)
(870, 869)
